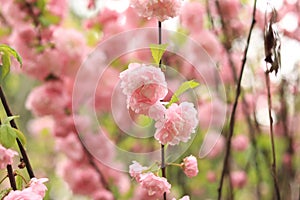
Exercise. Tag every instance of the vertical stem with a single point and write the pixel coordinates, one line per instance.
(14, 125)
(163, 165)
(11, 177)
(225, 169)
(273, 166)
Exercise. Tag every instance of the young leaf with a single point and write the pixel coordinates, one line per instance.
(183, 87)
(157, 51)
(21, 136)
(7, 136)
(10, 51)
(5, 67)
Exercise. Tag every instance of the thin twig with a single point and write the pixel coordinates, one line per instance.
(11, 176)
(273, 165)
(232, 117)
(14, 125)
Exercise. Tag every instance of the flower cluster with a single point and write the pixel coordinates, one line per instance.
(160, 9)
(35, 191)
(154, 185)
(144, 86)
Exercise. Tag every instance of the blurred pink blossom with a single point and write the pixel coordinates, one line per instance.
(81, 178)
(213, 145)
(48, 99)
(159, 9)
(144, 86)
(70, 146)
(6, 157)
(240, 143)
(238, 179)
(191, 16)
(190, 166)
(178, 124)
(156, 186)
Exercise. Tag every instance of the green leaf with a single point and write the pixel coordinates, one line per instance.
(5, 49)
(157, 51)
(19, 181)
(41, 4)
(5, 67)
(7, 136)
(4, 192)
(8, 119)
(20, 136)
(183, 87)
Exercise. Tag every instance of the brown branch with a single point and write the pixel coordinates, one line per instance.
(11, 177)
(232, 117)
(14, 125)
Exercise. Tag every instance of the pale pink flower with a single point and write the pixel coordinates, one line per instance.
(157, 111)
(156, 186)
(22, 195)
(144, 86)
(159, 9)
(37, 186)
(183, 198)
(179, 123)
(35, 191)
(6, 157)
(240, 143)
(135, 170)
(238, 179)
(190, 166)
(211, 176)
(191, 16)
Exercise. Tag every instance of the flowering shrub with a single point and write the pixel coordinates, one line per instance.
(161, 84)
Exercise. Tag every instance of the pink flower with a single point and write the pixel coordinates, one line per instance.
(157, 111)
(190, 166)
(6, 157)
(35, 191)
(178, 124)
(48, 99)
(238, 179)
(160, 9)
(37, 186)
(191, 16)
(144, 86)
(240, 143)
(136, 169)
(103, 195)
(156, 186)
